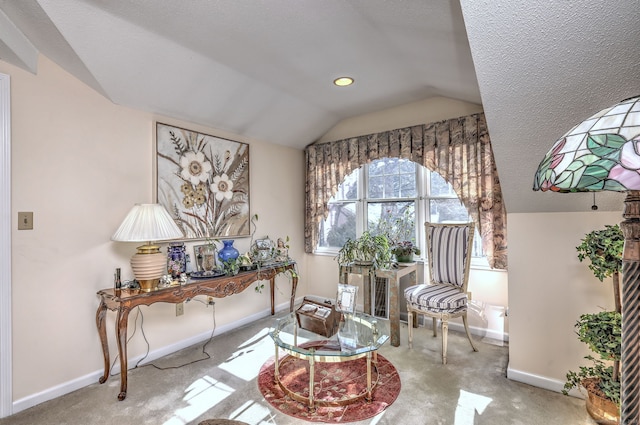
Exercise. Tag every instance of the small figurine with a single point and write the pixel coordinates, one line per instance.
(165, 281)
(282, 252)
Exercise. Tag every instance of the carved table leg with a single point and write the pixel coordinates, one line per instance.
(272, 288)
(102, 331)
(121, 334)
(294, 286)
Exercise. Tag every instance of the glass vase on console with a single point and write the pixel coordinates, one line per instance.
(228, 251)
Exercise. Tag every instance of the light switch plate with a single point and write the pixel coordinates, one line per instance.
(25, 220)
(179, 309)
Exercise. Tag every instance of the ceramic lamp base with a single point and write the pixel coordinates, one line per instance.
(148, 266)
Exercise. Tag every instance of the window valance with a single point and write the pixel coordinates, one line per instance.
(459, 149)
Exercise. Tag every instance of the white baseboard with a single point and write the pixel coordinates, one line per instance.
(495, 334)
(540, 382)
(92, 378)
(481, 332)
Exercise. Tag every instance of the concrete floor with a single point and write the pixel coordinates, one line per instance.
(471, 389)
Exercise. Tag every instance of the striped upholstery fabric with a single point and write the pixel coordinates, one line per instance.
(445, 297)
(448, 253)
(438, 298)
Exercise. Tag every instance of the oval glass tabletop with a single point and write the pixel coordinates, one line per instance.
(358, 333)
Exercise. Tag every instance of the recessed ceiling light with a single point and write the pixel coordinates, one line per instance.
(343, 81)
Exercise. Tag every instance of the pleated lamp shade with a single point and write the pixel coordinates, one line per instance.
(148, 223)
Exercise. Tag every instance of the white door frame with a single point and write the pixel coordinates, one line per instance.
(5, 247)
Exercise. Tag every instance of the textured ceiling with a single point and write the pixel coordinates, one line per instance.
(263, 69)
(542, 68)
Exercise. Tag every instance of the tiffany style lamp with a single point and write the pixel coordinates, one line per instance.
(603, 153)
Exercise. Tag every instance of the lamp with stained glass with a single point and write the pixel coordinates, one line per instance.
(148, 223)
(603, 153)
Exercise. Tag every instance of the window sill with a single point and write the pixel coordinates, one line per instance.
(477, 263)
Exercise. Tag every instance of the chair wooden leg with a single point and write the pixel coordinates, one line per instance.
(445, 331)
(409, 322)
(435, 327)
(466, 328)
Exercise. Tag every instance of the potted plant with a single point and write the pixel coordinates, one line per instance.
(368, 249)
(401, 234)
(404, 251)
(603, 248)
(601, 331)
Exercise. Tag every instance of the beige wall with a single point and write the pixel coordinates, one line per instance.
(79, 162)
(548, 290)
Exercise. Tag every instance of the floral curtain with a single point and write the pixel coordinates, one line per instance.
(459, 149)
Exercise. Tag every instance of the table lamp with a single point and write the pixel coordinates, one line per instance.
(603, 153)
(148, 223)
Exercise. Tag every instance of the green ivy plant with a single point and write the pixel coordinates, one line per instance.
(231, 267)
(602, 332)
(603, 248)
(368, 248)
(609, 387)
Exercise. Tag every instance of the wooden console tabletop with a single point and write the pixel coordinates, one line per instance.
(122, 301)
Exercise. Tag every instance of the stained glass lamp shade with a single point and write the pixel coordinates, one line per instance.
(600, 153)
(148, 223)
(603, 153)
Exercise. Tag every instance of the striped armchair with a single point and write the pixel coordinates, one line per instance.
(449, 252)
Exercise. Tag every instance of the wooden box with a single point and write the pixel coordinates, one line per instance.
(318, 315)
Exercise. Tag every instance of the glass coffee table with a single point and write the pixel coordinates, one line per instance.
(359, 335)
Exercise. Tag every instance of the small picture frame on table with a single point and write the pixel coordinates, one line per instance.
(197, 257)
(346, 299)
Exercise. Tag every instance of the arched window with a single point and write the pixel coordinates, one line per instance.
(458, 149)
(383, 191)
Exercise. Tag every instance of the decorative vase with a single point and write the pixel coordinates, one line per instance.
(176, 259)
(228, 252)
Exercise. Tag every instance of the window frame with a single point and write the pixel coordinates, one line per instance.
(421, 205)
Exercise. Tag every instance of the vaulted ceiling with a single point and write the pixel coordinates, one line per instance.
(264, 69)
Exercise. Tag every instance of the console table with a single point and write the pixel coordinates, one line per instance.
(122, 301)
(393, 275)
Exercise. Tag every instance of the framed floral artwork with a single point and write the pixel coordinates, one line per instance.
(203, 181)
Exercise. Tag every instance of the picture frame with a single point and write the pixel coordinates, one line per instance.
(198, 257)
(203, 182)
(346, 298)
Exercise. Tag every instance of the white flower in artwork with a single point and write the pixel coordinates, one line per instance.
(194, 167)
(222, 187)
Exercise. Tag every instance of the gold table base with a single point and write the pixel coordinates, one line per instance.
(311, 401)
